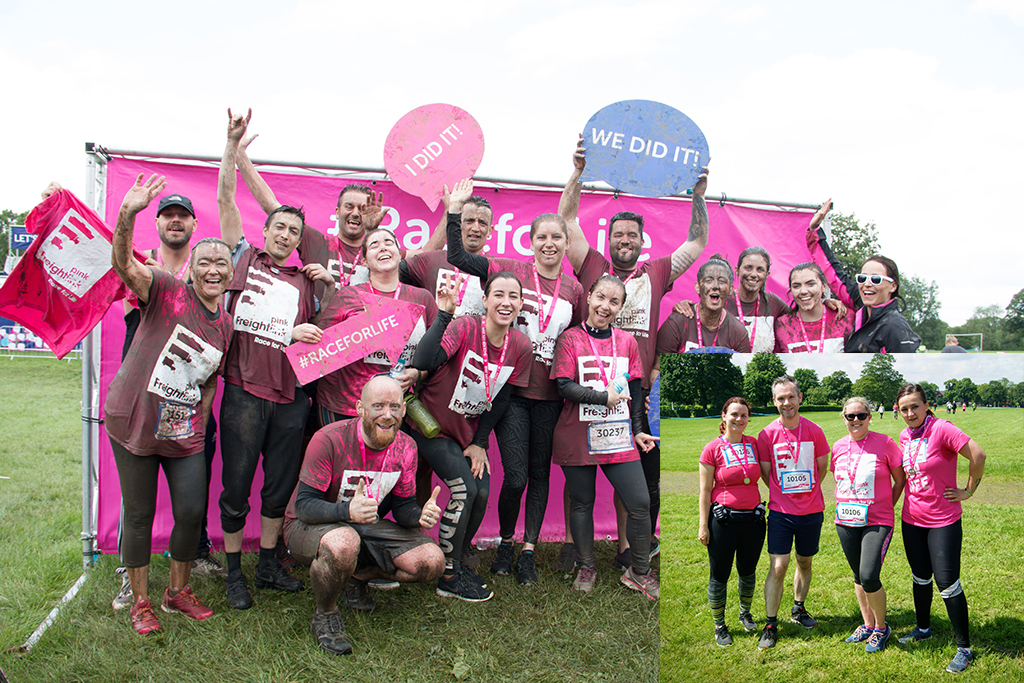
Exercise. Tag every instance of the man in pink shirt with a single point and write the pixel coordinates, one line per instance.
(793, 455)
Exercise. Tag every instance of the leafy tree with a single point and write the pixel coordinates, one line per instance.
(1017, 394)
(993, 394)
(704, 379)
(879, 380)
(931, 392)
(816, 396)
(922, 310)
(961, 390)
(7, 219)
(806, 378)
(838, 386)
(852, 242)
(762, 370)
(987, 320)
(1013, 323)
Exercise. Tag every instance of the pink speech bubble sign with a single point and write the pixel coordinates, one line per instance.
(433, 146)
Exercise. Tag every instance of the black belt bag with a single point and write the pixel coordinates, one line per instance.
(725, 515)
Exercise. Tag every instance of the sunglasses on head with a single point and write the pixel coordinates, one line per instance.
(857, 416)
(863, 278)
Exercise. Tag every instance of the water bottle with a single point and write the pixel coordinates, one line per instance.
(398, 369)
(621, 383)
(421, 417)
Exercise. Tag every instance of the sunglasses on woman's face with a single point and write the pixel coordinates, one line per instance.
(857, 416)
(863, 278)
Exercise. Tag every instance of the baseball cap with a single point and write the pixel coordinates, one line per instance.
(176, 200)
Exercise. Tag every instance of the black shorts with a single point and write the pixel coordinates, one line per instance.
(784, 528)
(382, 541)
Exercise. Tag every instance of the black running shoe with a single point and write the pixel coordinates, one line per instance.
(329, 631)
(566, 558)
(503, 559)
(747, 622)
(769, 636)
(237, 590)
(474, 577)
(624, 560)
(526, 568)
(273, 575)
(800, 616)
(356, 597)
(458, 586)
(722, 636)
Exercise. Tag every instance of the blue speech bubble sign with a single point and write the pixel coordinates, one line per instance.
(644, 148)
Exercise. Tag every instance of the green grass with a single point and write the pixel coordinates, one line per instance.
(541, 633)
(992, 554)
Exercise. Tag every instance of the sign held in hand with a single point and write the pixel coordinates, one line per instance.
(433, 146)
(644, 148)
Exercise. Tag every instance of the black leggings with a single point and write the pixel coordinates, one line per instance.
(865, 547)
(651, 461)
(742, 540)
(186, 481)
(250, 426)
(468, 503)
(628, 480)
(524, 434)
(937, 551)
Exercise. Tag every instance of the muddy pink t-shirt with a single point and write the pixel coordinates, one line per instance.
(641, 313)
(266, 301)
(758, 317)
(679, 334)
(792, 454)
(733, 464)
(154, 402)
(339, 390)
(863, 480)
(456, 394)
(930, 465)
(589, 434)
(334, 464)
(430, 269)
(792, 335)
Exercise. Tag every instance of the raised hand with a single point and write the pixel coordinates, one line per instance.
(362, 509)
(374, 211)
(54, 186)
(462, 191)
(579, 157)
(819, 216)
(244, 144)
(142, 193)
(447, 294)
(431, 511)
(702, 183)
(237, 125)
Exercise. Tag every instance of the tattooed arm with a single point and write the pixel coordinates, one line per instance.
(697, 239)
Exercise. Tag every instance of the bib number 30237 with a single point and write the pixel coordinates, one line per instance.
(609, 437)
(796, 481)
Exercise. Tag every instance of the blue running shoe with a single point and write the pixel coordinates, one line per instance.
(878, 639)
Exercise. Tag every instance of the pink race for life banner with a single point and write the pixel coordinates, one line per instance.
(732, 228)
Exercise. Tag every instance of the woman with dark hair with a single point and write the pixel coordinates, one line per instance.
(731, 522)
(874, 294)
(755, 307)
(474, 362)
(869, 481)
(594, 365)
(931, 524)
(714, 328)
(811, 327)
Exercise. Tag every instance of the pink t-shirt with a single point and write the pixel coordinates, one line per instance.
(339, 390)
(645, 288)
(930, 464)
(792, 335)
(429, 269)
(456, 394)
(154, 403)
(863, 472)
(793, 485)
(334, 464)
(733, 463)
(758, 317)
(588, 434)
(679, 334)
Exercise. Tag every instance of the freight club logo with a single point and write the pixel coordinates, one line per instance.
(185, 363)
(267, 309)
(75, 256)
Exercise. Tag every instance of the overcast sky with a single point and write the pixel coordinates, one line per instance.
(907, 114)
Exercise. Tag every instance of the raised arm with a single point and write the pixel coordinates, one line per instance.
(474, 264)
(841, 284)
(569, 206)
(440, 234)
(227, 209)
(138, 277)
(697, 238)
(258, 187)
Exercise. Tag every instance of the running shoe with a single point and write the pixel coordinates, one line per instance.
(186, 603)
(722, 636)
(624, 560)
(566, 558)
(655, 547)
(800, 616)
(124, 595)
(747, 621)
(356, 597)
(273, 575)
(329, 631)
(237, 590)
(144, 618)
(208, 565)
(503, 559)
(459, 586)
(585, 579)
(474, 577)
(878, 640)
(383, 584)
(526, 568)
(860, 635)
(916, 635)
(645, 583)
(283, 555)
(964, 656)
(769, 636)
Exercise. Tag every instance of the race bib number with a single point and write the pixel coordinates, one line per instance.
(174, 421)
(796, 481)
(852, 514)
(609, 437)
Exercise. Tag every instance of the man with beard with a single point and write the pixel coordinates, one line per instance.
(714, 326)
(352, 468)
(645, 286)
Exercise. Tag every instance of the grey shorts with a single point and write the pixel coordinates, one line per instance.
(382, 541)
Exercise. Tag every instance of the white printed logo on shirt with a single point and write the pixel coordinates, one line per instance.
(636, 314)
(528, 323)
(74, 255)
(794, 470)
(470, 395)
(378, 484)
(863, 485)
(472, 297)
(267, 308)
(589, 372)
(184, 364)
(381, 358)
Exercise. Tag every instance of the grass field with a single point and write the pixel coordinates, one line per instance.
(541, 633)
(992, 555)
